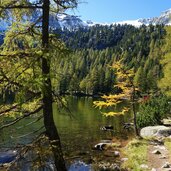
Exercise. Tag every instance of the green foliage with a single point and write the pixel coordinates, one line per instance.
(125, 89)
(153, 111)
(165, 82)
(123, 85)
(98, 47)
(167, 143)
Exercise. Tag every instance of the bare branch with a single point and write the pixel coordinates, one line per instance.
(14, 106)
(30, 133)
(21, 117)
(30, 123)
(21, 7)
(18, 84)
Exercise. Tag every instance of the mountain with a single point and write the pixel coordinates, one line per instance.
(71, 22)
(164, 18)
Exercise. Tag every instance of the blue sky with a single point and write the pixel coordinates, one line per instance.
(119, 10)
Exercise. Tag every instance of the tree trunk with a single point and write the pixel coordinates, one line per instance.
(134, 113)
(49, 124)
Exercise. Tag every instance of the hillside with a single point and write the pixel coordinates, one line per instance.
(95, 49)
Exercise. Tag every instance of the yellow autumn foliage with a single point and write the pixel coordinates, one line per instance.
(124, 85)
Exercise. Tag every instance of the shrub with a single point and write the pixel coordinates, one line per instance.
(153, 111)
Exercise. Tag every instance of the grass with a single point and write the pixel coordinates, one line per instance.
(136, 152)
(167, 143)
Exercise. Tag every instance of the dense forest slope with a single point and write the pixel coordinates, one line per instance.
(94, 49)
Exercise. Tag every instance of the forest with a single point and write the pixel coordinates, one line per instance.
(94, 50)
(56, 86)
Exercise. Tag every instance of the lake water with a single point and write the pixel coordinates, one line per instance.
(82, 131)
(79, 130)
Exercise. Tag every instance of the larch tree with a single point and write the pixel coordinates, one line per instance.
(126, 90)
(165, 82)
(26, 61)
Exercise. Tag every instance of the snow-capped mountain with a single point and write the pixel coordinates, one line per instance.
(72, 22)
(59, 21)
(164, 18)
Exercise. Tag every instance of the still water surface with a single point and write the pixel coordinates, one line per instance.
(79, 130)
(82, 131)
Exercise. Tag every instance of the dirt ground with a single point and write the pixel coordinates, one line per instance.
(157, 157)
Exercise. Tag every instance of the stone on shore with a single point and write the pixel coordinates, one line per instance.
(155, 131)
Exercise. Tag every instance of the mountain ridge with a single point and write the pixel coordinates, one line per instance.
(72, 22)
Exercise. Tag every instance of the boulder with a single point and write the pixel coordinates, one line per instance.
(7, 156)
(107, 128)
(100, 146)
(155, 131)
(167, 121)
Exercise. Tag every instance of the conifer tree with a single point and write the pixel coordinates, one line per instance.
(26, 60)
(165, 82)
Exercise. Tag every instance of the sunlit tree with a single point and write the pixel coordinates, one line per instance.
(26, 61)
(126, 90)
(165, 82)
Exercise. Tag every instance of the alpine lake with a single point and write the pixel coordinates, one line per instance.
(79, 130)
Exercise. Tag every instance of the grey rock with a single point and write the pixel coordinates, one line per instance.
(116, 153)
(101, 146)
(153, 169)
(108, 166)
(124, 159)
(167, 122)
(166, 165)
(106, 141)
(144, 166)
(161, 147)
(155, 131)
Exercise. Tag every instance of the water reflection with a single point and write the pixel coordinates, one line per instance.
(80, 166)
(81, 133)
(78, 134)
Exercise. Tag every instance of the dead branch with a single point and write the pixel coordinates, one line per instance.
(21, 117)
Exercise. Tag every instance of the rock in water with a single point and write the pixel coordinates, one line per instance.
(107, 128)
(7, 156)
(100, 146)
